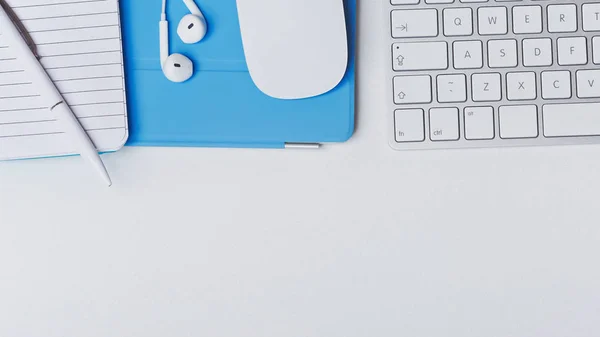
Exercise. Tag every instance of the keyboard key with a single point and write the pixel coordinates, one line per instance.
(537, 52)
(452, 88)
(502, 53)
(405, 2)
(486, 87)
(414, 23)
(493, 21)
(409, 125)
(412, 89)
(562, 18)
(518, 121)
(588, 83)
(443, 124)
(521, 86)
(439, 1)
(527, 19)
(479, 123)
(420, 56)
(572, 51)
(556, 84)
(596, 49)
(591, 17)
(468, 54)
(458, 21)
(568, 120)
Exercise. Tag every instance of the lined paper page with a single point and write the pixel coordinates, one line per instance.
(79, 42)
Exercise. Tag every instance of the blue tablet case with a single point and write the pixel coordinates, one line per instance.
(220, 106)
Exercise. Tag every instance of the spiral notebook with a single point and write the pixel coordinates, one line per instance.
(79, 42)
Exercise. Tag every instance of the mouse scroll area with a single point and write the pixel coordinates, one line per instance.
(294, 49)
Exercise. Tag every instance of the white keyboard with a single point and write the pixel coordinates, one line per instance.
(483, 73)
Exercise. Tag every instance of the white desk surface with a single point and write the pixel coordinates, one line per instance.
(352, 240)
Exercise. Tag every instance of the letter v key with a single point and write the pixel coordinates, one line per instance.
(586, 83)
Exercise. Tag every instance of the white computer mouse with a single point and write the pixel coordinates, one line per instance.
(294, 49)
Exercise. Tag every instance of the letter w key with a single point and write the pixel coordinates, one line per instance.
(493, 20)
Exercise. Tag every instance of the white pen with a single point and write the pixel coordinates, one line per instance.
(49, 93)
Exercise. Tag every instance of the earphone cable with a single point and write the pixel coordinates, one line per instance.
(163, 15)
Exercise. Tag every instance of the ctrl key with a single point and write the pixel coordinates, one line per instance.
(409, 125)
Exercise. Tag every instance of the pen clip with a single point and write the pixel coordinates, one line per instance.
(13, 16)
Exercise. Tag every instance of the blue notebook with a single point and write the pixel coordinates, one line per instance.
(220, 106)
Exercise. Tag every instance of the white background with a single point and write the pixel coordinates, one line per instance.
(352, 240)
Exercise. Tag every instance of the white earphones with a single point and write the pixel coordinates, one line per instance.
(192, 29)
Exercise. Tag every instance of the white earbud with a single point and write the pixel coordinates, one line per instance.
(192, 29)
(176, 67)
